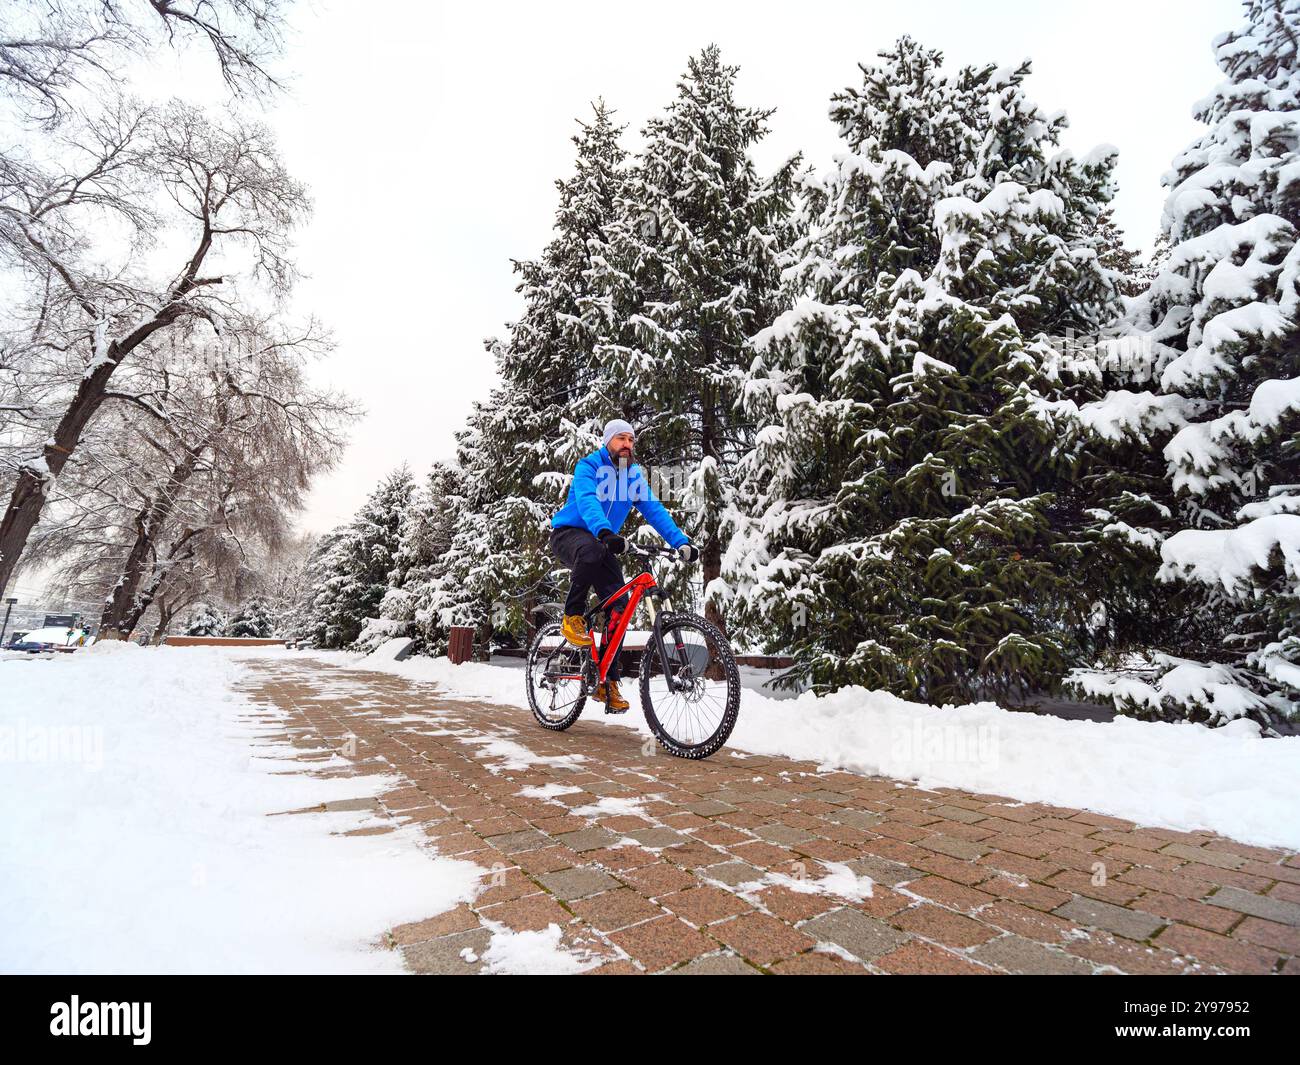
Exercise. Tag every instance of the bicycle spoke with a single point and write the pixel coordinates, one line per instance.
(691, 716)
(554, 669)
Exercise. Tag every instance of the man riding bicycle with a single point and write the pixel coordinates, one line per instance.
(585, 537)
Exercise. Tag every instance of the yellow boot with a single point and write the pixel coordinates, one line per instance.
(608, 694)
(574, 629)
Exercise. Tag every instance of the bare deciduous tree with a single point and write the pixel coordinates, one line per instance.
(216, 452)
(231, 195)
(51, 49)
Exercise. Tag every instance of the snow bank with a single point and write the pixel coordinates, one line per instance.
(134, 835)
(1180, 776)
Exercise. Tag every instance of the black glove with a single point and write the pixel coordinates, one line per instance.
(614, 543)
(688, 552)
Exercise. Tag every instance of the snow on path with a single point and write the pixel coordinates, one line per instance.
(1179, 776)
(133, 836)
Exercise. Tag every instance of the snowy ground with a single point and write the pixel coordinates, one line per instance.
(1180, 776)
(134, 838)
(134, 835)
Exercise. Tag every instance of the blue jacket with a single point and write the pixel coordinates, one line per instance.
(601, 494)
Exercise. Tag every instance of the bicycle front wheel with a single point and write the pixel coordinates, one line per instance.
(691, 693)
(556, 679)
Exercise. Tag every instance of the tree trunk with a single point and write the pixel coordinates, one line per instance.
(121, 611)
(126, 605)
(28, 499)
(165, 614)
(710, 533)
(142, 598)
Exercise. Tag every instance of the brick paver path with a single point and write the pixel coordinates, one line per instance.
(651, 863)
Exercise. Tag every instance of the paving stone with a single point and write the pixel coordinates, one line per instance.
(732, 873)
(533, 913)
(862, 936)
(925, 959)
(883, 871)
(819, 963)
(832, 797)
(943, 926)
(761, 939)
(716, 965)
(503, 886)
(763, 854)
(615, 909)
(1284, 938)
(659, 837)
(1224, 952)
(663, 942)
(1132, 924)
(710, 808)
(1185, 911)
(950, 894)
(1218, 859)
(783, 834)
(720, 835)
(513, 842)
(704, 905)
(442, 957)
(1127, 956)
(577, 882)
(589, 839)
(658, 879)
(956, 848)
(546, 860)
(350, 804)
(460, 919)
(1269, 909)
(957, 813)
(1027, 958)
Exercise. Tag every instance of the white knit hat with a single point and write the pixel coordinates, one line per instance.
(613, 427)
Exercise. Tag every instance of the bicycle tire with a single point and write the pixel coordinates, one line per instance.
(540, 659)
(724, 659)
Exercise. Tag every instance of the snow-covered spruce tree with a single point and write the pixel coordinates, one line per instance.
(1221, 324)
(1119, 258)
(205, 620)
(350, 571)
(906, 499)
(424, 541)
(519, 448)
(422, 587)
(252, 620)
(309, 616)
(691, 273)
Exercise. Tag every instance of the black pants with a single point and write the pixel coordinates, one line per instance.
(593, 566)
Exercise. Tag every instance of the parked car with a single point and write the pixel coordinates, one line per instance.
(54, 638)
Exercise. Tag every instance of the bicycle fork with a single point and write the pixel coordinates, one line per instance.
(657, 635)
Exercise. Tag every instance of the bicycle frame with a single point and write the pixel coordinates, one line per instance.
(641, 586)
(602, 653)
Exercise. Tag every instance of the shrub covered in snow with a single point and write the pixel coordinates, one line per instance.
(252, 620)
(205, 620)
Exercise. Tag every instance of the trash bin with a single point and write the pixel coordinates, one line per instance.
(461, 644)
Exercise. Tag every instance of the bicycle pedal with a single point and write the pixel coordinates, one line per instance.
(608, 710)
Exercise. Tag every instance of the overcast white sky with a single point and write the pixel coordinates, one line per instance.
(431, 135)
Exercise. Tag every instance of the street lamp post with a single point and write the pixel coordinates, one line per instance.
(9, 605)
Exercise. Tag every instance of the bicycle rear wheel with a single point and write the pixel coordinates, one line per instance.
(556, 678)
(690, 701)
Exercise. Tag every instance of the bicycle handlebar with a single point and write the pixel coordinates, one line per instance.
(650, 552)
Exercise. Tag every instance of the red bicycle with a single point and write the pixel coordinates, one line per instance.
(690, 684)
